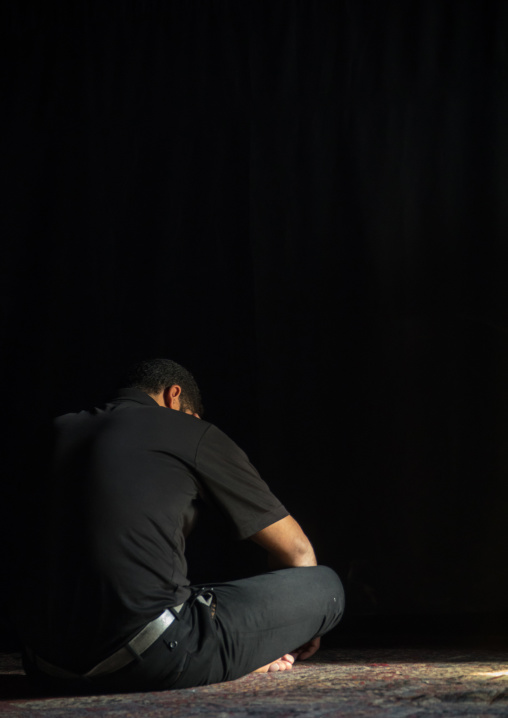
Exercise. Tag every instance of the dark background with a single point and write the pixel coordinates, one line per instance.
(306, 204)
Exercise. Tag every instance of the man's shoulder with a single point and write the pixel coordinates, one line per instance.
(213, 436)
(140, 424)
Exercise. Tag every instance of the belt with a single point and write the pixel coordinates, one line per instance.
(125, 655)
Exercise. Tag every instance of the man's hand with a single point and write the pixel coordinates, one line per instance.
(286, 544)
(307, 650)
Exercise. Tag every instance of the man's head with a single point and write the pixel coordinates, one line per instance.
(169, 383)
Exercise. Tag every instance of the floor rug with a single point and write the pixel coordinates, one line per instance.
(348, 682)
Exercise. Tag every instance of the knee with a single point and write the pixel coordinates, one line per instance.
(328, 577)
(330, 583)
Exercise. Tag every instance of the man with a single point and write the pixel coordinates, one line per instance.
(115, 611)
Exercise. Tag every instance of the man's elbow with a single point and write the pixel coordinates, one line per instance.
(299, 554)
(286, 544)
(304, 554)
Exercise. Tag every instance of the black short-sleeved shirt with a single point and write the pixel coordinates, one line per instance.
(124, 483)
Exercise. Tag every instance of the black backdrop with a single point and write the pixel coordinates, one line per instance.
(304, 203)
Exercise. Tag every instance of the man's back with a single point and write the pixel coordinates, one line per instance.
(122, 494)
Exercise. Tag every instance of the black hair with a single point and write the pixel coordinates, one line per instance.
(155, 375)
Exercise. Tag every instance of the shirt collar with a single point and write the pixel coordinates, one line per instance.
(136, 395)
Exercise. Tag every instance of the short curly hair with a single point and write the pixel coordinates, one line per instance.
(155, 375)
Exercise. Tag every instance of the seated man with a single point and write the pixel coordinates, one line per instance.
(113, 609)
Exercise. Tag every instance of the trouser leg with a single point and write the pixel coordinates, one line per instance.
(259, 619)
(254, 622)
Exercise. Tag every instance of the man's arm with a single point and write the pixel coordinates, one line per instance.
(286, 544)
(289, 547)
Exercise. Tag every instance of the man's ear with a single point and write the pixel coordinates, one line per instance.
(171, 396)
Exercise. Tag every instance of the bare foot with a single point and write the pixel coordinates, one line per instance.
(285, 663)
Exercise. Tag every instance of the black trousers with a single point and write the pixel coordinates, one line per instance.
(250, 623)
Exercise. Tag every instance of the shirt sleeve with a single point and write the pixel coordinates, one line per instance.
(234, 485)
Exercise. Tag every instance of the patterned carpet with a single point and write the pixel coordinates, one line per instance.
(349, 682)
